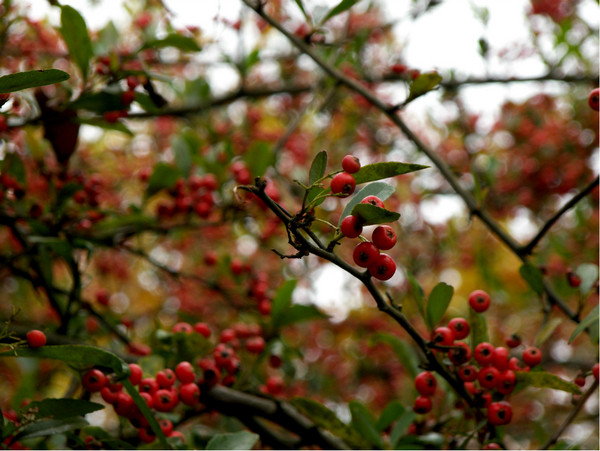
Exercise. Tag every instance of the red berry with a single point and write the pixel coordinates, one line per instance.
(579, 380)
(443, 336)
(350, 164)
(593, 99)
(506, 382)
(275, 385)
(275, 361)
(467, 373)
(227, 335)
(146, 435)
(127, 97)
(149, 385)
(36, 338)
(93, 381)
(343, 184)
(165, 400)
(484, 354)
(365, 254)
(595, 371)
(351, 226)
(202, 329)
(124, 405)
(573, 279)
(425, 383)
(166, 426)
(383, 268)
(460, 353)
(488, 377)
(499, 413)
(384, 237)
(532, 356)
(479, 301)
(182, 327)
(492, 446)
(460, 328)
(185, 372)
(373, 200)
(165, 378)
(112, 116)
(515, 364)
(500, 360)
(136, 373)
(255, 345)
(422, 405)
(189, 394)
(108, 395)
(513, 341)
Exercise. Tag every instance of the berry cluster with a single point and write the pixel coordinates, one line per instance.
(194, 195)
(343, 184)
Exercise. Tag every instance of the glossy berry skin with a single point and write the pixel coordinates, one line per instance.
(189, 394)
(443, 336)
(93, 381)
(108, 395)
(149, 385)
(383, 268)
(166, 426)
(203, 329)
(255, 345)
(499, 413)
(422, 405)
(594, 99)
(365, 254)
(275, 385)
(460, 353)
(384, 237)
(460, 328)
(506, 382)
(500, 360)
(484, 353)
(185, 372)
(351, 226)
(479, 301)
(488, 377)
(136, 373)
(36, 338)
(124, 405)
(165, 400)
(343, 184)
(516, 365)
(146, 435)
(373, 200)
(182, 327)
(532, 356)
(513, 341)
(595, 370)
(166, 378)
(467, 373)
(579, 380)
(425, 383)
(350, 164)
(573, 279)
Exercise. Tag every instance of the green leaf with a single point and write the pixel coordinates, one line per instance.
(183, 43)
(50, 427)
(424, 83)
(364, 423)
(391, 413)
(141, 404)
(371, 215)
(588, 272)
(542, 379)
(163, 176)
(384, 170)
(31, 79)
(379, 189)
(546, 331)
(123, 225)
(318, 167)
(405, 352)
(438, 302)
(591, 318)
(298, 313)
(326, 419)
(75, 33)
(183, 154)
(282, 301)
(418, 293)
(116, 126)
(338, 9)
(478, 331)
(59, 408)
(301, 6)
(259, 157)
(78, 356)
(533, 276)
(14, 166)
(99, 102)
(233, 440)
(400, 427)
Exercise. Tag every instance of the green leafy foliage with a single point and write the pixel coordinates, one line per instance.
(45, 428)
(384, 170)
(163, 176)
(546, 331)
(403, 351)
(60, 408)
(318, 167)
(342, 6)
(438, 302)
(589, 320)
(391, 413)
(478, 331)
(298, 313)
(143, 406)
(259, 157)
(542, 379)
(379, 189)
(14, 166)
(400, 427)
(282, 301)
(233, 440)
(424, 83)
(364, 423)
(533, 276)
(417, 292)
(114, 126)
(75, 33)
(371, 215)
(31, 79)
(183, 43)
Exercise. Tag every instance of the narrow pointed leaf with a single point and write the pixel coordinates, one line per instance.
(406, 354)
(233, 440)
(391, 413)
(547, 330)
(533, 276)
(145, 410)
(591, 318)
(298, 313)
(317, 168)
(338, 9)
(384, 170)
(282, 301)
(418, 294)
(400, 427)
(59, 408)
(301, 6)
(163, 176)
(364, 423)
(542, 379)
(371, 215)
(183, 43)
(438, 302)
(379, 189)
(424, 83)
(50, 427)
(75, 34)
(31, 79)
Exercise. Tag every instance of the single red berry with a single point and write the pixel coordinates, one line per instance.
(146, 435)
(124, 405)
(350, 164)
(203, 329)
(108, 395)
(573, 279)
(343, 184)
(365, 254)
(112, 116)
(275, 385)
(593, 99)
(148, 398)
(275, 361)
(383, 268)
(516, 365)
(165, 400)
(93, 381)
(499, 413)
(500, 360)
(513, 341)
(532, 356)
(166, 378)
(506, 382)
(149, 385)
(373, 200)
(166, 426)
(210, 258)
(479, 301)
(189, 394)
(264, 307)
(36, 338)
(488, 377)
(136, 373)
(227, 335)
(255, 345)
(460, 328)
(484, 354)
(595, 371)
(351, 226)
(443, 336)
(127, 97)
(460, 353)
(425, 383)
(185, 372)
(182, 327)
(384, 237)
(467, 373)
(579, 380)
(422, 405)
